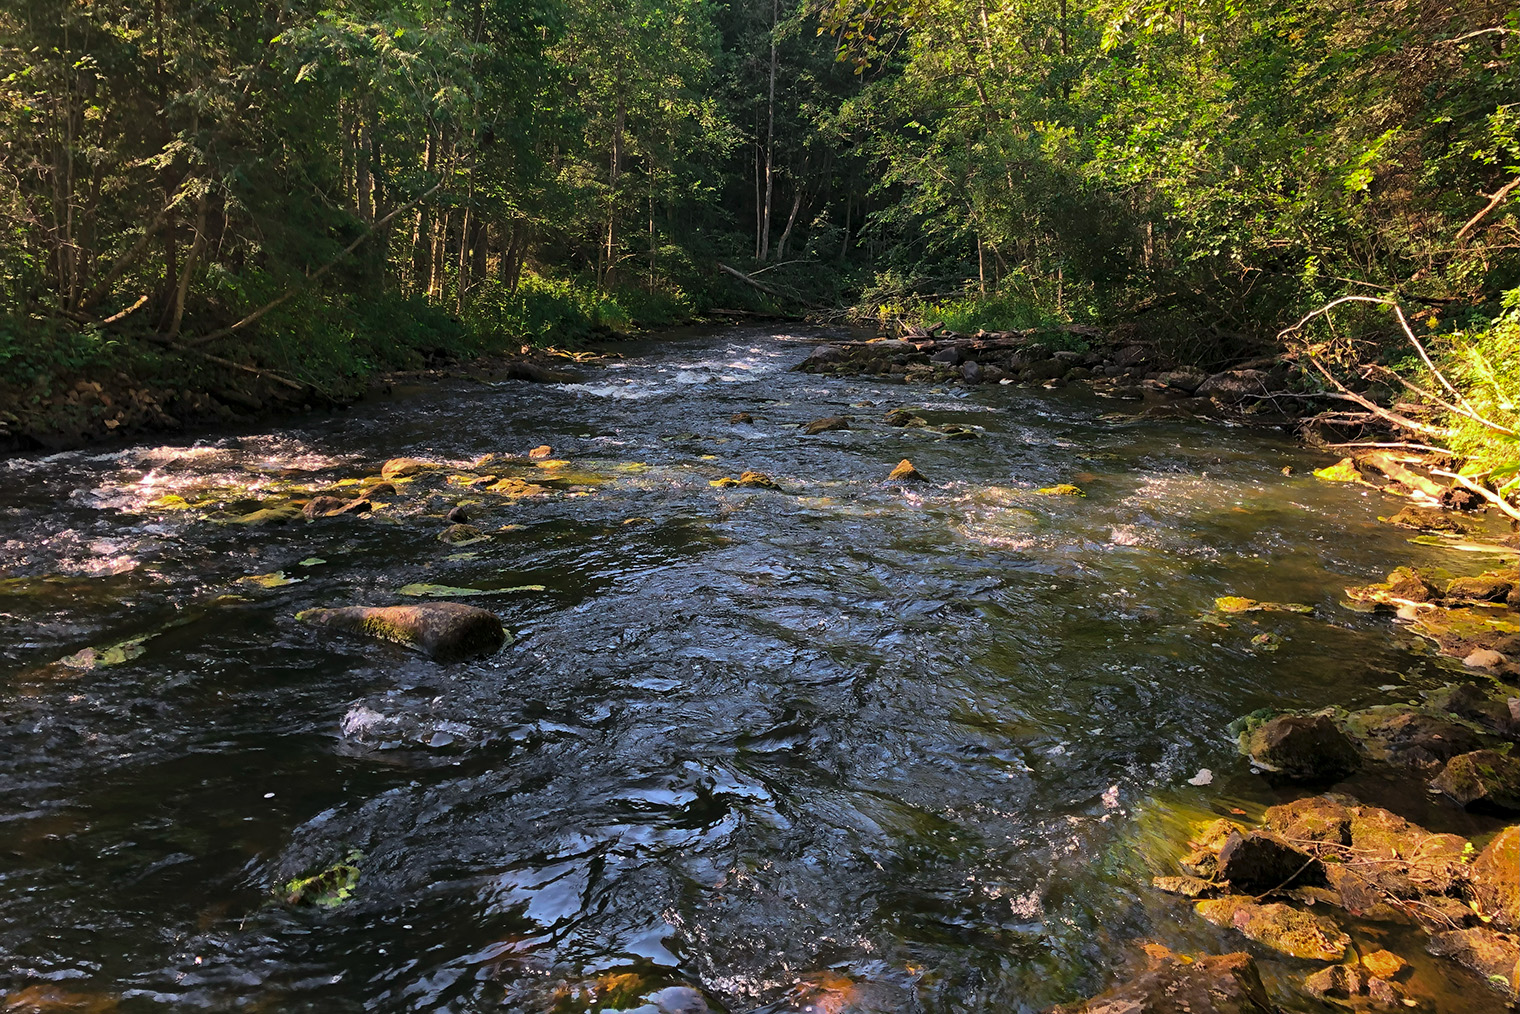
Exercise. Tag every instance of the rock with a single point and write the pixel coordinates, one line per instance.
(1350, 983)
(1060, 489)
(1428, 519)
(49, 998)
(1188, 887)
(1492, 714)
(1482, 780)
(1401, 734)
(972, 372)
(521, 369)
(1185, 381)
(903, 417)
(1260, 861)
(462, 535)
(1319, 820)
(1234, 386)
(1043, 371)
(949, 356)
(541, 453)
(1384, 964)
(378, 490)
(1278, 926)
(1462, 630)
(1483, 588)
(1304, 748)
(1343, 470)
(1391, 851)
(458, 514)
(1483, 658)
(741, 417)
(399, 468)
(1488, 952)
(1494, 879)
(268, 516)
(1408, 584)
(1208, 984)
(831, 422)
(446, 631)
(332, 506)
(1131, 355)
(752, 480)
(906, 472)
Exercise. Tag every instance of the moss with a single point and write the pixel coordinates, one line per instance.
(1060, 489)
(326, 888)
(1343, 470)
(1278, 926)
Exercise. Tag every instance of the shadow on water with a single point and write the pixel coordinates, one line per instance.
(844, 744)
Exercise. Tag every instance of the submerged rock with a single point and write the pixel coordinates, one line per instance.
(1278, 926)
(1404, 735)
(1304, 748)
(332, 506)
(1172, 984)
(831, 422)
(445, 631)
(1490, 953)
(1497, 715)
(1482, 780)
(1495, 879)
(739, 418)
(748, 480)
(462, 535)
(1356, 986)
(50, 998)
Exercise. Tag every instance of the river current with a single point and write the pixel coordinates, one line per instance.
(916, 747)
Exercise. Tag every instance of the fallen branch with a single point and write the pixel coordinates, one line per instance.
(746, 279)
(270, 374)
(1494, 498)
(1494, 200)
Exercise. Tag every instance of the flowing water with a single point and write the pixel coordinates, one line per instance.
(919, 746)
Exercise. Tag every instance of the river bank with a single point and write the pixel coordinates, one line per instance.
(831, 738)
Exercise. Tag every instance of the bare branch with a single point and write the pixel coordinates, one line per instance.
(1494, 200)
(1483, 491)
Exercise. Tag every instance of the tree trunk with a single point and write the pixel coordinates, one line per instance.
(770, 139)
(791, 219)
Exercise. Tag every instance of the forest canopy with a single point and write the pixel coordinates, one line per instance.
(329, 189)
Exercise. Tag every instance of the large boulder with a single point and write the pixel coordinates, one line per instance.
(1234, 386)
(1259, 861)
(1303, 748)
(447, 631)
(1495, 879)
(1208, 984)
(1497, 714)
(1400, 734)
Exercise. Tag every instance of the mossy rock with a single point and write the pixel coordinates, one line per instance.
(447, 631)
(1060, 489)
(1281, 927)
(1495, 879)
(1303, 748)
(1482, 780)
(1228, 604)
(462, 535)
(1493, 955)
(1172, 983)
(1343, 470)
(326, 888)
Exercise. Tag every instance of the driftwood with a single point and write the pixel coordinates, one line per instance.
(748, 280)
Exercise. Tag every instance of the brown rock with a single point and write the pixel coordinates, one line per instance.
(1384, 964)
(397, 468)
(1259, 861)
(445, 631)
(831, 422)
(1209, 984)
(1491, 954)
(1408, 584)
(541, 452)
(906, 472)
(1404, 735)
(1483, 588)
(1188, 887)
(1495, 879)
(1488, 712)
(332, 506)
(1317, 819)
(1482, 780)
(1281, 927)
(1305, 748)
(741, 417)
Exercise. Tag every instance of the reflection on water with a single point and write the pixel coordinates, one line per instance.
(846, 745)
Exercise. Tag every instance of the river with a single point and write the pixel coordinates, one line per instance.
(920, 745)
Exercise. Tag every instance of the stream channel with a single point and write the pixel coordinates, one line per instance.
(922, 746)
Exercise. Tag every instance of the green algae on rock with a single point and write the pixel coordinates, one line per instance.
(462, 535)
(1495, 879)
(1482, 780)
(1278, 926)
(1172, 984)
(326, 888)
(1060, 489)
(446, 631)
(1304, 748)
(1343, 470)
(1228, 604)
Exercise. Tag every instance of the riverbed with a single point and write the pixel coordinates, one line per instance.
(925, 742)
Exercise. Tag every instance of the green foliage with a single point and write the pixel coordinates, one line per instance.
(1483, 363)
